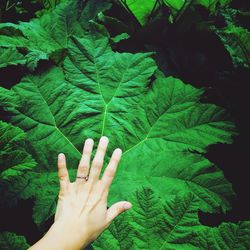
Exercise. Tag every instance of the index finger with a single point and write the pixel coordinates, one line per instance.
(110, 170)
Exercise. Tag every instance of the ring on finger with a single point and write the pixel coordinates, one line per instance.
(83, 177)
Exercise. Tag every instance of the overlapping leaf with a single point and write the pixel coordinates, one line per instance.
(142, 10)
(12, 55)
(227, 236)
(47, 37)
(12, 241)
(14, 156)
(154, 224)
(15, 163)
(159, 124)
(212, 5)
(237, 42)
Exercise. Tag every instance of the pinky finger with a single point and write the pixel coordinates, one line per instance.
(63, 174)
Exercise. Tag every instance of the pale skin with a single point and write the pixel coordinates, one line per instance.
(82, 214)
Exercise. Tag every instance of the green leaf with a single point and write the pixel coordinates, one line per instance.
(33, 58)
(13, 156)
(101, 92)
(10, 56)
(43, 37)
(237, 42)
(143, 9)
(212, 5)
(232, 236)
(15, 163)
(29, 37)
(227, 236)
(120, 37)
(50, 4)
(140, 8)
(152, 223)
(12, 241)
(175, 5)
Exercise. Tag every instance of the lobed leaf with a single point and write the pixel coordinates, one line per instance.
(155, 224)
(101, 92)
(142, 10)
(237, 42)
(14, 157)
(10, 56)
(47, 37)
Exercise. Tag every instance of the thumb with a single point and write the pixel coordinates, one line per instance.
(117, 209)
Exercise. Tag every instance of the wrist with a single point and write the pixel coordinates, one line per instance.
(66, 236)
(60, 237)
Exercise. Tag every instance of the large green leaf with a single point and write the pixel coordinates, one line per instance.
(159, 124)
(211, 5)
(154, 224)
(143, 9)
(12, 241)
(47, 37)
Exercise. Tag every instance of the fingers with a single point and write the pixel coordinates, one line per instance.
(83, 168)
(110, 170)
(98, 159)
(63, 174)
(117, 209)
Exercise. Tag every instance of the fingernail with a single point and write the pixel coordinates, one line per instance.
(105, 139)
(61, 156)
(119, 151)
(127, 205)
(89, 141)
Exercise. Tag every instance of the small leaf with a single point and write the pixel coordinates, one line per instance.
(237, 42)
(10, 56)
(12, 241)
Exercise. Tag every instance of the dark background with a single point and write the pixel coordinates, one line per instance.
(196, 56)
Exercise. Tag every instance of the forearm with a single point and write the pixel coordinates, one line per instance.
(57, 239)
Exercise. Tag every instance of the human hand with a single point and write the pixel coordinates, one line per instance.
(82, 214)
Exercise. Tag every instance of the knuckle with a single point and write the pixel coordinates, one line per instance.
(63, 175)
(97, 162)
(118, 209)
(110, 172)
(60, 196)
(115, 160)
(84, 167)
(102, 148)
(87, 152)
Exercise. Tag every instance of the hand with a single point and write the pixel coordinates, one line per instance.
(82, 214)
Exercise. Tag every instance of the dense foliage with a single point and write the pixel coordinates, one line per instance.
(80, 78)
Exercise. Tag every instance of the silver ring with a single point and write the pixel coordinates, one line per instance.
(83, 177)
